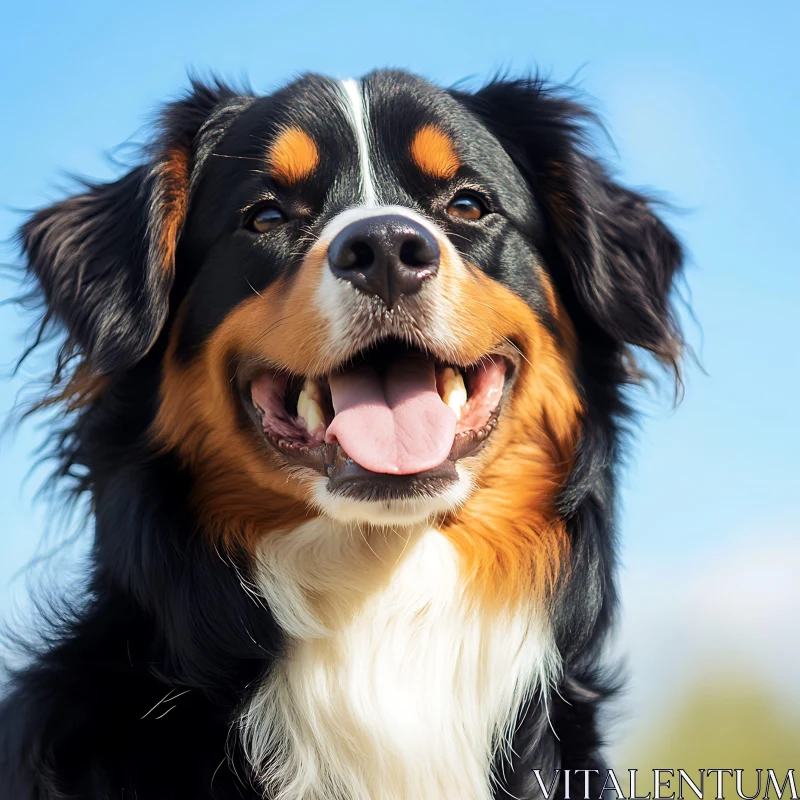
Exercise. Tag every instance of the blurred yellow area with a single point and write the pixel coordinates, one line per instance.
(723, 721)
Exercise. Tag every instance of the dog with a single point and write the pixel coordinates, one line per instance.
(342, 377)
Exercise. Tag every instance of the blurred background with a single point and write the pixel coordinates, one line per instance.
(703, 103)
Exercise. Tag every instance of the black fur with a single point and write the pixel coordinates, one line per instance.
(167, 617)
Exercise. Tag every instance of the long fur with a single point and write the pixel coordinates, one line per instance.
(410, 696)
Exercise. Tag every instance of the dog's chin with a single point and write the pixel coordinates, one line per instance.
(399, 502)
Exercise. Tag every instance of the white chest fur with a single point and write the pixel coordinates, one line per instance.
(395, 684)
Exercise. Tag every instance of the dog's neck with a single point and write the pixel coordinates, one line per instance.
(395, 682)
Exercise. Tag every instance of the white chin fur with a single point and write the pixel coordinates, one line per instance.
(393, 512)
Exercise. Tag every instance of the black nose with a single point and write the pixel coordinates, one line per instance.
(387, 256)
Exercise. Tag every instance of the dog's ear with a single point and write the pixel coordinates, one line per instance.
(105, 259)
(616, 257)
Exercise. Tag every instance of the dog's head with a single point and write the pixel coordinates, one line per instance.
(375, 300)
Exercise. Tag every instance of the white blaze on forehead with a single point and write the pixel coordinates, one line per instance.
(355, 108)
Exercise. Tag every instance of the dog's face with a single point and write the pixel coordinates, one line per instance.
(369, 323)
(374, 300)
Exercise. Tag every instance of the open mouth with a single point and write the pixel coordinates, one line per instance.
(389, 423)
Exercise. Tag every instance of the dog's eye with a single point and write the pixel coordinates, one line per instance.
(266, 219)
(466, 205)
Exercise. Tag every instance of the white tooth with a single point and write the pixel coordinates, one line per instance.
(313, 416)
(302, 404)
(448, 376)
(455, 393)
(309, 406)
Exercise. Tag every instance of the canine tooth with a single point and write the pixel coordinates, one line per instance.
(455, 393)
(309, 391)
(302, 403)
(313, 416)
(309, 405)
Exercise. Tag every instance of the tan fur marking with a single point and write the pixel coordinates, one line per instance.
(293, 156)
(239, 489)
(434, 152)
(174, 178)
(509, 534)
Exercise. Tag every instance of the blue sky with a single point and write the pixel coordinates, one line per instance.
(703, 102)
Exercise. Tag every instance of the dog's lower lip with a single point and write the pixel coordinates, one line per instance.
(348, 479)
(325, 457)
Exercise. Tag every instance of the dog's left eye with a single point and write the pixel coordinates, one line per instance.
(466, 205)
(266, 219)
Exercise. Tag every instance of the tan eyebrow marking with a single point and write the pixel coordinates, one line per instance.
(293, 156)
(434, 152)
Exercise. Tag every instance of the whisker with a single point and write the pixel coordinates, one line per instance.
(254, 288)
(521, 354)
(167, 696)
(502, 336)
(161, 716)
(363, 536)
(240, 158)
(270, 329)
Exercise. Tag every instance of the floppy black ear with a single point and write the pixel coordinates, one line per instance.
(618, 258)
(105, 259)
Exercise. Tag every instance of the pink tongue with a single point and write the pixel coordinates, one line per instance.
(395, 424)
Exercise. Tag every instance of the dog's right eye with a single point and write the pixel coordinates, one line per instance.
(466, 205)
(265, 218)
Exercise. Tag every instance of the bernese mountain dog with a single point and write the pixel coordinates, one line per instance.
(342, 379)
